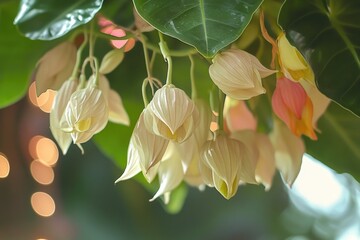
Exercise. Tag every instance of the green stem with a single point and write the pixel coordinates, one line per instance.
(143, 90)
(111, 37)
(95, 60)
(173, 53)
(221, 110)
(146, 56)
(165, 52)
(192, 78)
(78, 56)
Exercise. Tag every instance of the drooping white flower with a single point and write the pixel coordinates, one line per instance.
(171, 114)
(86, 114)
(55, 67)
(289, 151)
(59, 105)
(238, 74)
(224, 157)
(144, 153)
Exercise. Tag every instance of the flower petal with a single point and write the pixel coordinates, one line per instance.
(289, 151)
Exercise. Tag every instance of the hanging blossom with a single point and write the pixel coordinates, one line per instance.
(79, 113)
(223, 157)
(173, 162)
(292, 105)
(171, 114)
(238, 74)
(86, 114)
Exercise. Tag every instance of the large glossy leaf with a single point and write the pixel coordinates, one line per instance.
(327, 34)
(338, 145)
(17, 61)
(50, 19)
(208, 25)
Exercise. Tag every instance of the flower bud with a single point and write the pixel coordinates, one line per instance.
(111, 60)
(292, 62)
(55, 67)
(171, 114)
(238, 74)
(224, 157)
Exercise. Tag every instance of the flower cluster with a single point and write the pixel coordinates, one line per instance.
(81, 108)
(181, 139)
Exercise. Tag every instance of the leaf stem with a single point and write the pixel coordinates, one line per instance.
(165, 52)
(78, 56)
(192, 78)
(221, 110)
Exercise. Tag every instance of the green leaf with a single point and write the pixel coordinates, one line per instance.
(18, 61)
(327, 34)
(51, 19)
(208, 25)
(338, 144)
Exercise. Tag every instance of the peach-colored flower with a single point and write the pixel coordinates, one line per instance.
(292, 105)
(238, 116)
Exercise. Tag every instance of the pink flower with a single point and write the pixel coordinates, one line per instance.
(294, 107)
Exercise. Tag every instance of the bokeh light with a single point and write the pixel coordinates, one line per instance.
(4, 166)
(32, 146)
(44, 101)
(42, 173)
(47, 151)
(43, 204)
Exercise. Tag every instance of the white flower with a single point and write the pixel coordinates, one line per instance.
(171, 114)
(145, 152)
(224, 156)
(60, 102)
(55, 67)
(86, 114)
(238, 74)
